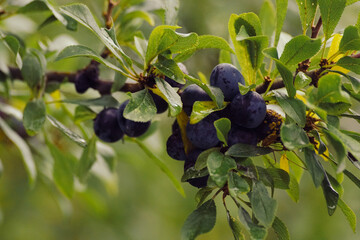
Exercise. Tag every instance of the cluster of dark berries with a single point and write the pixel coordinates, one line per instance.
(250, 121)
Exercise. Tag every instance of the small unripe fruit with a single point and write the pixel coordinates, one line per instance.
(106, 126)
(226, 77)
(129, 127)
(248, 110)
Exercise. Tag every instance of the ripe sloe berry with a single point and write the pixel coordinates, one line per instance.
(203, 134)
(129, 127)
(160, 103)
(175, 147)
(86, 78)
(192, 94)
(248, 110)
(190, 162)
(226, 77)
(241, 135)
(106, 126)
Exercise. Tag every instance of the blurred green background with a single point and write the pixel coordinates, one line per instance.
(138, 202)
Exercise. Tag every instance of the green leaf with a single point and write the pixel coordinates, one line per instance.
(87, 159)
(257, 232)
(280, 229)
(350, 39)
(219, 165)
(314, 166)
(301, 80)
(171, 97)
(281, 8)
(25, 151)
(192, 172)
(250, 43)
(202, 220)
(202, 194)
(202, 109)
(354, 81)
(339, 152)
(299, 49)
(201, 161)
(274, 177)
(287, 77)
(205, 41)
(70, 134)
(267, 17)
(160, 164)
(245, 89)
(352, 64)
(293, 136)
(331, 12)
(237, 185)
(138, 14)
(330, 96)
(169, 68)
(82, 14)
(293, 190)
(31, 70)
(214, 93)
(263, 206)
(34, 116)
(307, 10)
(34, 6)
(83, 113)
(234, 226)
(63, 171)
(331, 196)
(222, 126)
(350, 143)
(105, 101)
(83, 51)
(141, 107)
(294, 108)
(349, 214)
(244, 150)
(271, 53)
(153, 43)
(353, 178)
(349, 2)
(14, 44)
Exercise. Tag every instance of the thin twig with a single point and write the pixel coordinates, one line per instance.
(315, 29)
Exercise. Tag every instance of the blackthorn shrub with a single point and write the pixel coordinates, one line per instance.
(106, 126)
(129, 127)
(226, 77)
(242, 135)
(248, 110)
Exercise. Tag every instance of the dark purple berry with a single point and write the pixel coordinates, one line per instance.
(242, 135)
(190, 162)
(203, 134)
(106, 126)
(190, 95)
(248, 110)
(129, 127)
(226, 77)
(160, 103)
(86, 78)
(175, 147)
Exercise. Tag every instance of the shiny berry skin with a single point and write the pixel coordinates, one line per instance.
(106, 126)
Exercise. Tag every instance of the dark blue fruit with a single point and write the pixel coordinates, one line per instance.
(190, 162)
(129, 127)
(192, 94)
(203, 134)
(172, 82)
(175, 147)
(226, 77)
(242, 135)
(160, 103)
(248, 110)
(106, 126)
(175, 127)
(86, 78)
